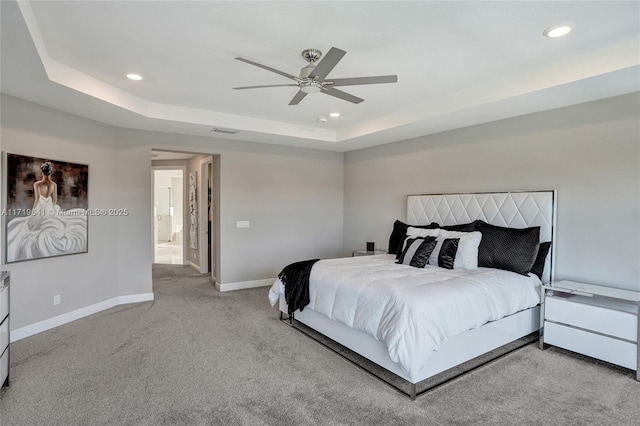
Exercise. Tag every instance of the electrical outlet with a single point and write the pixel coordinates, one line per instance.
(56, 299)
(194, 255)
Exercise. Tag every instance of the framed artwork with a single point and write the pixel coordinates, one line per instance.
(46, 210)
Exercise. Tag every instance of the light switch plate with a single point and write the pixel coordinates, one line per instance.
(243, 224)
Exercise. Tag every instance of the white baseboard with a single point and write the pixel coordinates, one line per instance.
(194, 266)
(59, 320)
(135, 298)
(244, 284)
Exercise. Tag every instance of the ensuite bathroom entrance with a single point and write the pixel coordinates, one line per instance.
(186, 209)
(168, 221)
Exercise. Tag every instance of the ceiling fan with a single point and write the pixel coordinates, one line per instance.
(313, 77)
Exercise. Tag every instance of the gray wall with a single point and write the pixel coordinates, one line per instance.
(134, 237)
(81, 279)
(294, 197)
(589, 153)
(291, 196)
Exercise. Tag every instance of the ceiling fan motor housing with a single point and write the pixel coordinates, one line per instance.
(312, 78)
(305, 71)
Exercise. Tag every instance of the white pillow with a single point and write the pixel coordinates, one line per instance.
(467, 254)
(421, 232)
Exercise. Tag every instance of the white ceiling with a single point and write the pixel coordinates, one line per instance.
(458, 63)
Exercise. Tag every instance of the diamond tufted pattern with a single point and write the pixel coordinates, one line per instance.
(511, 209)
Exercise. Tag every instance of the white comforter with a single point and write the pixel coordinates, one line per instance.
(412, 310)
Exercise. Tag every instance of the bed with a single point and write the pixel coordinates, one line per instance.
(418, 327)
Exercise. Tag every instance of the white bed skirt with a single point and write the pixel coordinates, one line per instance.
(452, 352)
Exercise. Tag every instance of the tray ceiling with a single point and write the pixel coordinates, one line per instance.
(458, 64)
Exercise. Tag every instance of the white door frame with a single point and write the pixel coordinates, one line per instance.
(203, 219)
(185, 209)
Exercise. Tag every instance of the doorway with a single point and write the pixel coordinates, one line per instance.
(200, 234)
(168, 212)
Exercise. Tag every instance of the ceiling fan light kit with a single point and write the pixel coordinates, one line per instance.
(313, 77)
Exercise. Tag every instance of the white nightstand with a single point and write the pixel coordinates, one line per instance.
(367, 253)
(597, 321)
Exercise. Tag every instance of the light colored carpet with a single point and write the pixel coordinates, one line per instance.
(195, 356)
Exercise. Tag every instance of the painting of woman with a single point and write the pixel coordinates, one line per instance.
(45, 229)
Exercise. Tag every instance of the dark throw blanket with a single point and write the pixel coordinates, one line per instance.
(295, 278)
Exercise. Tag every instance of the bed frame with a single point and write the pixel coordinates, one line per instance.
(469, 349)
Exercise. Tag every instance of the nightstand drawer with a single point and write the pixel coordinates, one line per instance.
(4, 301)
(594, 345)
(608, 317)
(4, 366)
(4, 335)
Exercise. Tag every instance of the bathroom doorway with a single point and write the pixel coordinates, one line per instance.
(168, 212)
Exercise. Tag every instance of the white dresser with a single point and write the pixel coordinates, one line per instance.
(597, 321)
(4, 329)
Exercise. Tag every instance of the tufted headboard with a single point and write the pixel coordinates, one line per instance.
(511, 209)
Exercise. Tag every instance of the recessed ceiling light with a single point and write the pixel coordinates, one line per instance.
(334, 114)
(557, 31)
(134, 76)
(322, 120)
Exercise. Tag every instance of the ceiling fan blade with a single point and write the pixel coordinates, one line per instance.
(297, 98)
(363, 80)
(342, 95)
(327, 63)
(282, 73)
(266, 85)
